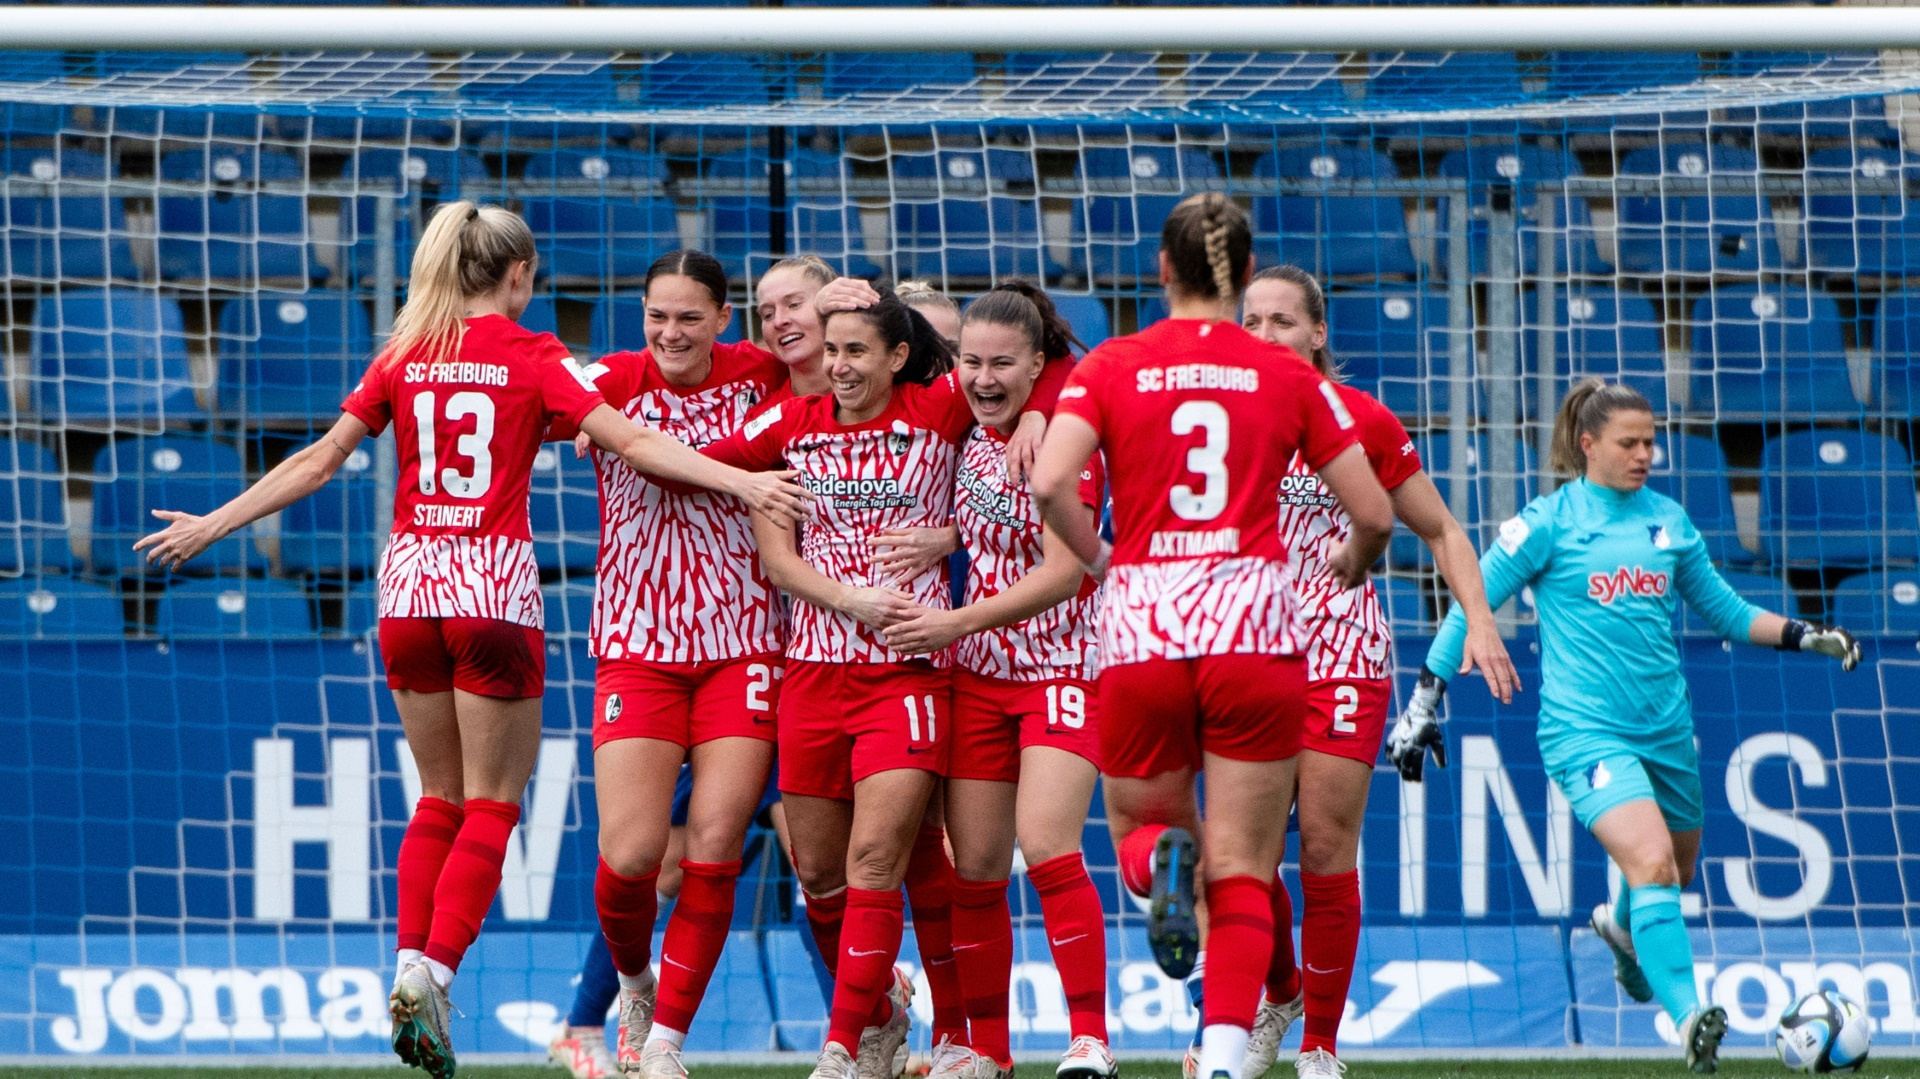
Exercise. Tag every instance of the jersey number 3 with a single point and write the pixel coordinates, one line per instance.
(1207, 460)
(478, 445)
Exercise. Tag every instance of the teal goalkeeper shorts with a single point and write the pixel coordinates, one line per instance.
(1606, 772)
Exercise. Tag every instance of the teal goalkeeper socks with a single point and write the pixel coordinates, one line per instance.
(1666, 954)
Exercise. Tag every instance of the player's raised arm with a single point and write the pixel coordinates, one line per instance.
(659, 454)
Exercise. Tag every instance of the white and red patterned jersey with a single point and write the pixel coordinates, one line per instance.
(893, 471)
(1001, 531)
(1199, 420)
(467, 429)
(679, 577)
(1347, 633)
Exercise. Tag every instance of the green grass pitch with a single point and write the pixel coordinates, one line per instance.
(1579, 1068)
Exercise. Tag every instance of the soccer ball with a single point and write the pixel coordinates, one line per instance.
(1823, 1032)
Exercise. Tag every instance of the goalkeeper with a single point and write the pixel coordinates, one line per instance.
(1606, 559)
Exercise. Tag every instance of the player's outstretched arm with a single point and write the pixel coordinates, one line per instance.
(1055, 485)
(1734, 619)
(1053, 582)
(293, 479)
(1352, 481)
(662, 455)
(1418, 503)
(1794, 635)
(794, 575)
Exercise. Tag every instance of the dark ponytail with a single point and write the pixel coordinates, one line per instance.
(697, 265)
(1209, 242)
(1585, 411)
(1027, 308)
(928, 354)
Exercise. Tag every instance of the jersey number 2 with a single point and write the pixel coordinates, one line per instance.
(1208, 460)
(1346, 701)
(478, 445)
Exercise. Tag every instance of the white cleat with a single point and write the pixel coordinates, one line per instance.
(1626, 964)
(950, 1060)
(1087, 1058)
(1270, 1028)
(661, 1060)
(419, 1008)
(835, 1063)
(883, 1048)
(583, 1052)
(636, 1022)
(1319, 1064)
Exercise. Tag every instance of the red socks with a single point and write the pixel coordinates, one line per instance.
(1136, 858)
(825, 915)
(469, 878)
(628, 906)
(1329, 939)
(983, 961)
(696, 933)
(870, 942)
(423, 851)
(1077, 932)
(930, 893)
(1283, 977)
(1239, 946)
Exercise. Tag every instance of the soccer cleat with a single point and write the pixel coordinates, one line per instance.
(1626, 964)
(835, 1063)
(636, 1022)
(660, 1059)
(1270, 1027)
(583, 1052)
(950, 1060)
(985, 1067)
(402, 1045)
(1087, 1058)
(1701, 1034)
(1319, 1064)
(419, 1008)
(1173, 929)
(1190, 1064)
(882, 1048)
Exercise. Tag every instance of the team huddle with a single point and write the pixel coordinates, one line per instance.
(1168, 542)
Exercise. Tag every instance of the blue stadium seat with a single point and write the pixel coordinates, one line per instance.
(569, 607)
(1405, 606)
(1436, 456)
(261, 608)
(1087, 315)
(1392, 343)
(191, 125)
(1837, 497)
(361, 130)
(1896, 349)
(1692, 471)
(1599, 332)
(360, 608)
(825, 220)
(78, 233)
(1860, 232)
(1847, 118)
(604, 219)
(33, 510)
(111, 358)
(1336, 233)
(736, 226)
(1520, 166)
(59, 608)
(1767, 593)
(1417, 79)
(888, 74)
(541, 316)
(1764, 352)
(704, 79)
(967, 213)
(1130, 192)
(424, 177)
(334, 532)
(1689, 233)
(215, 225)
(564, 508)
(619, 322)
(1887, 602)
(1574, 73)
(135, 476)
(288, 356)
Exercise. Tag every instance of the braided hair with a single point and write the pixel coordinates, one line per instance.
(1208, 241)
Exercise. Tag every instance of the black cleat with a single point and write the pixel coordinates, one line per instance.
(1173, 928)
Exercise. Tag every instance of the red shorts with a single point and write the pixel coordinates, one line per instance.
(1161, 715)
(485, 656)
(686, 703)
(1347, 717)
(842, 722)
(994, 719)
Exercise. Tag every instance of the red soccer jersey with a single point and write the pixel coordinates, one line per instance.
(467, 429)
(1199, 420)
(1347, 632)
(894, 471)
(679, 577)
(1001, 531)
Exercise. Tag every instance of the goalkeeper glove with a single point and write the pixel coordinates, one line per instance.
(1831, 641)
(1418, 730)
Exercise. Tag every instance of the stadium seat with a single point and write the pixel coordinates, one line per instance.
(1519, 166)
(1436, 455)
(291, 356)
(1405, 606)
(360, 609)
(1847, 118)
(78, 232)
(334, 532)
(111, 358)
(422, 177)
(1696, 233)
(1896, 354)
(1328, 229)
(967, 214)
(697, 80)
(564, 507)
(1887, 602)
(33, 510)
(1575, 73)
(569, 607)
(1600, 332)
(1087, 315)
(1392, 343)
(360, 130)
(243, 608)
(736, 225)
(890, 74)
(59, 609)
(1837, 497)
(1692, 471)
(217, 223)
(188, 125)
(1130, 192)
(1761, 353)
(135, 476)
(605, 218)
(541, 316)
(1865, 232)
(1767, 593)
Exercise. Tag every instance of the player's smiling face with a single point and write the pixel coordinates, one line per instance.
(789, 326)
(1620, 456)
(682, 323)
(997, 368)
(1276, 311)
(860, 366)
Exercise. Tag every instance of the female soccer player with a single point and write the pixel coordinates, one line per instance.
(935, 306)
(1025, 755)
(1605, 558)
(791, 320)
(470, 394)
(1200, 663)
(1348, 691)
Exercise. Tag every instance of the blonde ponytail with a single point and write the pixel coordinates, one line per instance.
(465, 251)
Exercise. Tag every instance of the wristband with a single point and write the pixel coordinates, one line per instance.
(1791, 634)
(1100, 562)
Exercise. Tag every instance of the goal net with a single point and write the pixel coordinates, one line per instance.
(206, 782)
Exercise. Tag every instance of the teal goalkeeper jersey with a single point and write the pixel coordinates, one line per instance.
(1606, 569)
